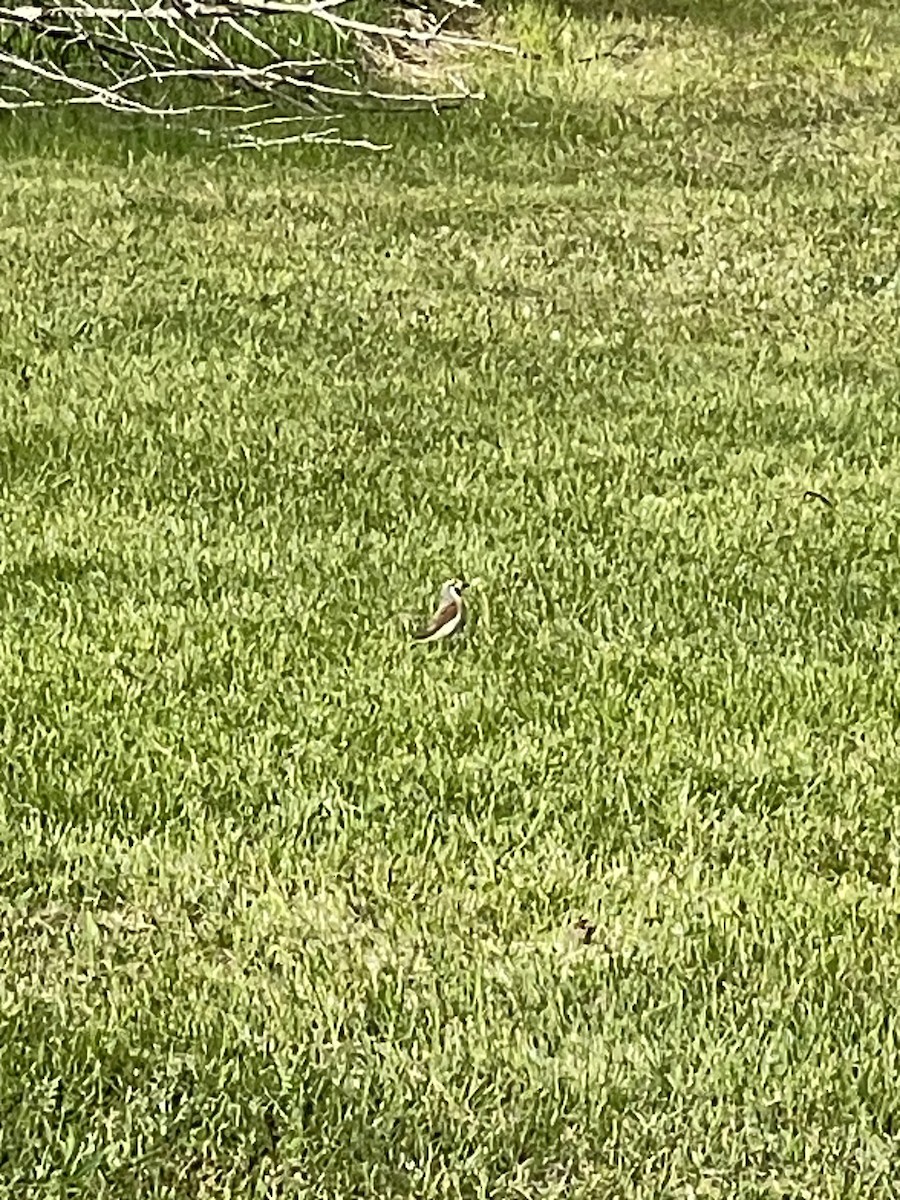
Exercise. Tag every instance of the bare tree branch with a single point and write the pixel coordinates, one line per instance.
(158, 59)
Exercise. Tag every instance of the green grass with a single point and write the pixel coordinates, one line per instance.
(286, 905)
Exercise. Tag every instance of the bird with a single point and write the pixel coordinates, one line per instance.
(450, 615)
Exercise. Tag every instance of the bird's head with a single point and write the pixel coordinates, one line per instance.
(453, 589)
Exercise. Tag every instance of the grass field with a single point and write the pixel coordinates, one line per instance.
(287, 907)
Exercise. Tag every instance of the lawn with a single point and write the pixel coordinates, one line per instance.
(290, 908)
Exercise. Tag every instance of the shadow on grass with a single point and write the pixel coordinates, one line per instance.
(726, 14)
(530, 121)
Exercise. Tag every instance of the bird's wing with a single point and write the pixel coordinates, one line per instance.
(442, 617)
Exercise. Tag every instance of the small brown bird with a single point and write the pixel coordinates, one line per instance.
(450, 616)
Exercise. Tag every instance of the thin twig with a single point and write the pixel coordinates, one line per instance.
(131, 55)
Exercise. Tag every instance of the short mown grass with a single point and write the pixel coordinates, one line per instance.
(289, 908)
